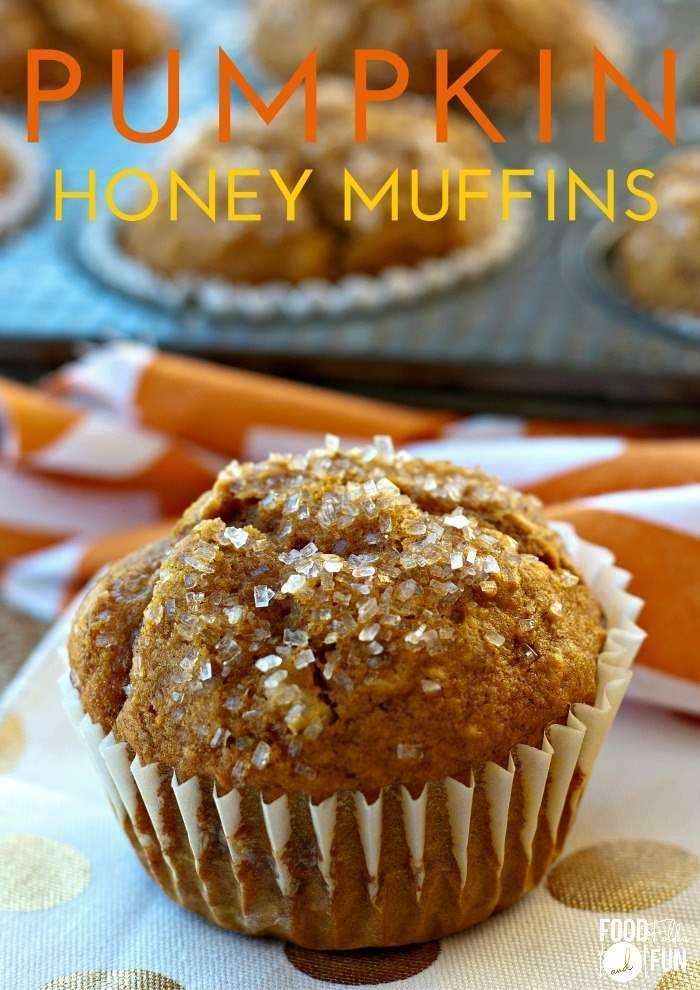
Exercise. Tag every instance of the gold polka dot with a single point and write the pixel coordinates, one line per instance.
(681, 979)
(622, 876)
(366, 967)
(114, 979)
(38, 873)
(11, 742)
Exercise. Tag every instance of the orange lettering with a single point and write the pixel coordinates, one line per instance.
(36, 95)
(173, 117)
(546, 95)
(604, 69)
(364, 95)
(230, 73)
(445, 93)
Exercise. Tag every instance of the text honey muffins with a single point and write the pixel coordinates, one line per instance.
(658, 262)
(318, 243)
(286, 30)
(87, 29)
(349, 661)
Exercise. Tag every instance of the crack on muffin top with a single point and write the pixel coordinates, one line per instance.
(340, 619)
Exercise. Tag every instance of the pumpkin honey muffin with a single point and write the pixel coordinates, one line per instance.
(659, 261)
(86, 29)
(319, 242)
(285, 32)
(309, 609)
(313, 693)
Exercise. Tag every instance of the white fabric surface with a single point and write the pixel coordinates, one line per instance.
(646, 784)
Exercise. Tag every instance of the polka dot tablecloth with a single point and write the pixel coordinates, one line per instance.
(78, 913)
(19, 634)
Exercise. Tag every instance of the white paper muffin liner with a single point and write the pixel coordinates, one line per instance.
(347, 872)
(104, 257)
(21, 197)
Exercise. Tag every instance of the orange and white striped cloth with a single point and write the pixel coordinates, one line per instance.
(105, 454)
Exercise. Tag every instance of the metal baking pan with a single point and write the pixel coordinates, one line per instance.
(539, 332)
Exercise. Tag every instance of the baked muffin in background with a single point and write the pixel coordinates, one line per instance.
(319, 243)
(86, 29)
(7, 172)
(285, 31)
(21, 185)
(658, 261)
(327, 646)
(20, 31)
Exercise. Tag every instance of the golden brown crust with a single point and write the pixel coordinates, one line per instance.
(86, 29)
(423, 620)
(21, 29)
(285, 33)
(101, 639)
(659, 260)
(319, 242)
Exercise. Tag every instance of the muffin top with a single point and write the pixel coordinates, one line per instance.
(659, 260)
(340, 619)
(86, 29)
(285, 32)
(318, 242)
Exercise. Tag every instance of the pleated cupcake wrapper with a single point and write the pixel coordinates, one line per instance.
(177, 828)
(102, 254)
(22, 196)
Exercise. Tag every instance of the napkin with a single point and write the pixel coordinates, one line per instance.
(106, 453)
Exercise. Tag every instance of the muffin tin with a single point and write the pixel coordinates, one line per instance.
(551, 326)
(101, 253)
(596, 270)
